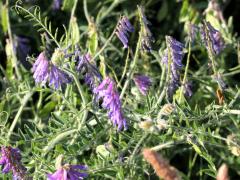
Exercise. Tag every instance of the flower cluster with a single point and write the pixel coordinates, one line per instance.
(143, 83)
(111, 101)
(69, 172)
(124, 27)
(11, 161)
(176, 52)
(209, 33)
(147, 38)
(45, 70)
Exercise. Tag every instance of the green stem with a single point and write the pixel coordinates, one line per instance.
(238, 53)
(132, 67)
(74, 8)
(165, 145)
(106, 43)
(162, 77)
(143, 138)
(125, 68)
(23, 104)
(186, 69)
(234, 99)
(84, 105)
(231, 73)
(164, 91)
(86, 11)
(169, 62)
(39, 103)
(162, 95)
(66, 95)
(80, 90)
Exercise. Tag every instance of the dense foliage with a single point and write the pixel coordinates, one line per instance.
(98, 89)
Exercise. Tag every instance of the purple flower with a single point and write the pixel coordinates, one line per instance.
(147, 38)
(69, 172)
(11, 161)
(56, 4)
(214, 36)
(124, 26)
(40, 69)
(92, 74)
(143, 83)
(57, 77)
(45, 70)
(177, 54)
(111, 101)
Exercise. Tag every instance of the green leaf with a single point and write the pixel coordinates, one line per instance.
(197, 149)
(162, 13)
(213, 21)
(184, 13)
(188, 13)
(67, 5)
(102, 151)
(49, 107)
